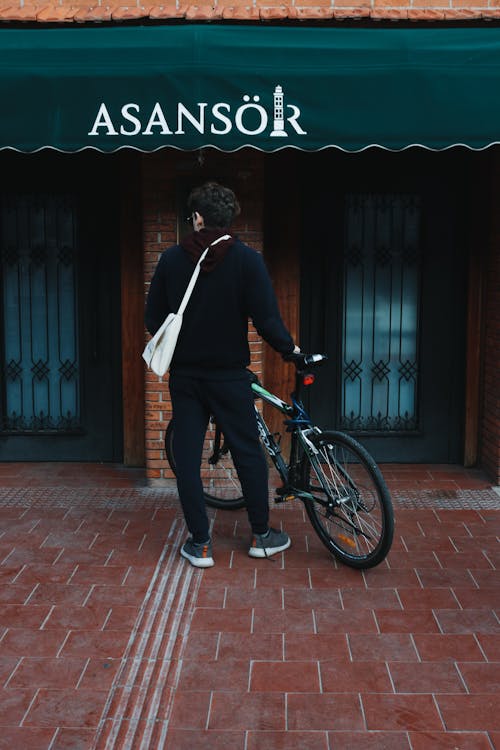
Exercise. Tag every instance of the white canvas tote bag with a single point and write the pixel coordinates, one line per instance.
(160, 349)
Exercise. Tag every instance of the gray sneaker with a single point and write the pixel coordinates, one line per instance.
(265, 545)
(199, 555)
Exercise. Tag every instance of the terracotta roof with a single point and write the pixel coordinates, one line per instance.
(175, 10)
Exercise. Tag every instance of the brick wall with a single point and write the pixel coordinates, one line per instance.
(490, 427)
(163, 175)
(159, 231)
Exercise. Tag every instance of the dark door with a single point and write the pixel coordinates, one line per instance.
(384, 295)
(59, 312)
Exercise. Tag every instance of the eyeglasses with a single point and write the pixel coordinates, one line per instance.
(189, 219)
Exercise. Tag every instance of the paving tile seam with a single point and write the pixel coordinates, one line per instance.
(164, 612)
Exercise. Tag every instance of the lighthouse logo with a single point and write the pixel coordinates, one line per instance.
(283, 116)
(279, 115)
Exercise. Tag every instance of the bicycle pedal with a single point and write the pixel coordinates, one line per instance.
(284, 498)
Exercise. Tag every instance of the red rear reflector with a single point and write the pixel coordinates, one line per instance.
(347, 540)
(308, 379)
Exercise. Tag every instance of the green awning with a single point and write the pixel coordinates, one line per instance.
(270, 88)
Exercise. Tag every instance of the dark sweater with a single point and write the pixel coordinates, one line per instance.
(214, 334)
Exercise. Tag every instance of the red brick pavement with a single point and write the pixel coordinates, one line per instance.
(108, 639)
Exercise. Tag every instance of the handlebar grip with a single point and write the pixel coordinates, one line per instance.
(305, 360)
(314, 359)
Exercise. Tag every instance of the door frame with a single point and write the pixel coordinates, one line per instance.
(132, 306)
(92, 180)
(443, 180)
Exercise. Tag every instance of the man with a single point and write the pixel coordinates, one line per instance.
(208, 372)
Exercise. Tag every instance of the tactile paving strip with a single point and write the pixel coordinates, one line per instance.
(149, 497)
(451, 499)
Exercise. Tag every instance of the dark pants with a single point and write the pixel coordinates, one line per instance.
(231, 403)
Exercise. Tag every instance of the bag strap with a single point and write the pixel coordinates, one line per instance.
(196, 272)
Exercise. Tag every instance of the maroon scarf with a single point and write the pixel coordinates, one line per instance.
(194, 244)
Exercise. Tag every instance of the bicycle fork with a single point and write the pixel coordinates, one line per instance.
(333, 485)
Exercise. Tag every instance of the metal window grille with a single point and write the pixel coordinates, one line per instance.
(40, 390)
(381, 308)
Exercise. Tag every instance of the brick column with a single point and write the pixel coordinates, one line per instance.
(159, 231)
(162, 174)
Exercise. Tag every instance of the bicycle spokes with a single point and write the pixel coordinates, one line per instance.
(350, 508)
(343, 488)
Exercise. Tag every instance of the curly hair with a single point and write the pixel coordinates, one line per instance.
(217, 204)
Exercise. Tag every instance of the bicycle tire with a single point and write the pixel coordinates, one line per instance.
(352, 510)
(221, 486)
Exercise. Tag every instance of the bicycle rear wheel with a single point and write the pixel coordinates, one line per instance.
(221, 486)
(351, 509)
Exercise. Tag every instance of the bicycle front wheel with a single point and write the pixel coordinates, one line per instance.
(350, 508)
(221, 486)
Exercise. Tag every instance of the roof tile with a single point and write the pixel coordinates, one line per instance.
(56, 14)
(274, 12)
(425, 14)
(390, 4)
(490, 13)
(97, 14)
(389, 14)
(240, 13)
(460, 14)
(166, 10)
(202, 13)
(341, 14)
(314, 13)
(245, 10)
(129, 13)
(28, 13)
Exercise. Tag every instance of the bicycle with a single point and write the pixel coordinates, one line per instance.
(340, 484)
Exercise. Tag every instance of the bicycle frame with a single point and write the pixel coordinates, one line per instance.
(299, 423)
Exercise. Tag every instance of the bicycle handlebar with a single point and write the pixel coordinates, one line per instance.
(301, 360)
